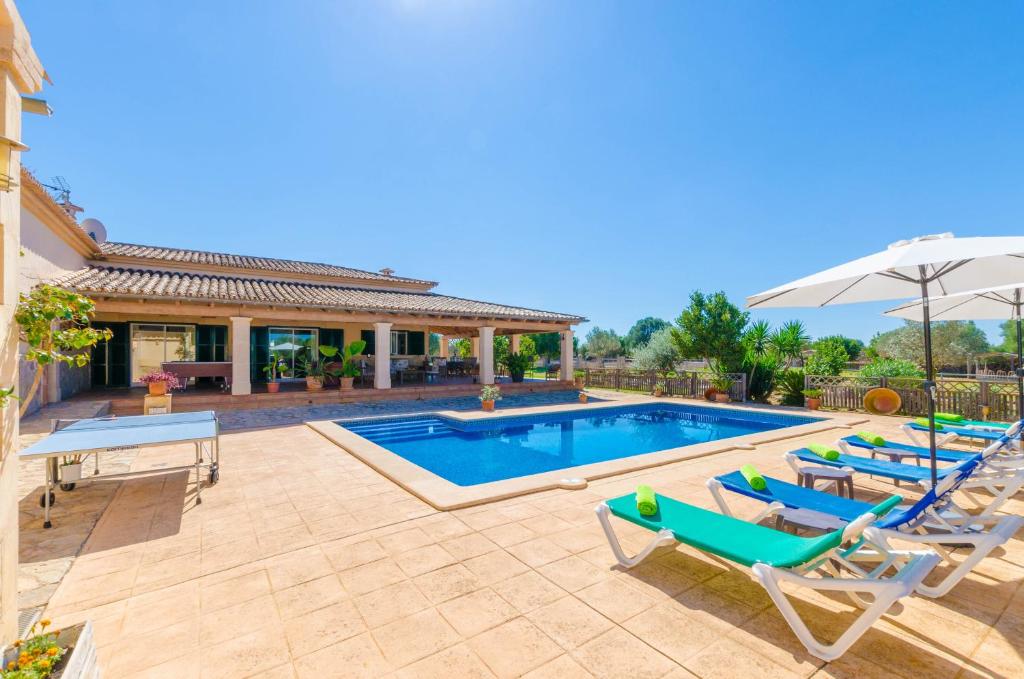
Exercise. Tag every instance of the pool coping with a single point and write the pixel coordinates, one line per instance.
(444, 495)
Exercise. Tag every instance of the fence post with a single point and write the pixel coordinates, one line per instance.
(743, 382)
(586, 375)
(693, 384)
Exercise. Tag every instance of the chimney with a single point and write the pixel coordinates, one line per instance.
(387, 272)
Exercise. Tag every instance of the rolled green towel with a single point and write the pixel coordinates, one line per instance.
(824, 452)
(949, 417)
(753, 477)
(646, 502)
(871, 437)
(923, 422)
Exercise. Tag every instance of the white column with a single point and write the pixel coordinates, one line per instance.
(444, 346)
(382, 356)
(513, 343)
(486, 354)
(241, 384)
(567, 355)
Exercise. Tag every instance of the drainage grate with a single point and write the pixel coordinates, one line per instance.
(26, 619)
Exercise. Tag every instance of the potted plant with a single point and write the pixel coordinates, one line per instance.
(273, 370)
(70, 471)
(159, 382)
(314, 373)
(349, 369)
(69, 653)
(583, 396)
(813, 398)
(722, 383)
(659, 388)
(488, 395)
(517, 364)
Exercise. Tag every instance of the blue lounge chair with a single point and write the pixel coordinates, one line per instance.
(847, 444)
(865, 465)
(775, 557)
(925, 522)
(952, 432)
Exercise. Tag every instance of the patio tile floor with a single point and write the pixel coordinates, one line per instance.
(304, 562)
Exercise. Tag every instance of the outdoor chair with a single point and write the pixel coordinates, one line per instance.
(967, 432)
(924, 522)
(775, 558)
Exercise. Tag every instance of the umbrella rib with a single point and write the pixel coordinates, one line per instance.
(833, 297)
(946, 268)
(768, 299)
(955, 306)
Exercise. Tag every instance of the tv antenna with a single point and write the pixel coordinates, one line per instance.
(61, 190)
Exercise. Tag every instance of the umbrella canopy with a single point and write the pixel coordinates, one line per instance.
(920, 267)
(999, 303)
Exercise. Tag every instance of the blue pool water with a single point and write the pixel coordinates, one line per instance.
(469, 453)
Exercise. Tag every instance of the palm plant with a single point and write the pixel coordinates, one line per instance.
(789, 341)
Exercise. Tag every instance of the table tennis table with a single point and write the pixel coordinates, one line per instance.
(94, 436)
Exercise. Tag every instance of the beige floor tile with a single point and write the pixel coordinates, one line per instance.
(573, 573)
(495, 566)
(562, 667)
(309, 596)
(508, 534)
(423, 560)
(391, 603)
(528, 591)
(447, 583)
(477, 612)
(457, 661)
(615, 599)
(323, 627)
(184, 667)
(514, 648)
(154, 648)
(245, 655)
(403, 541)
(234, 591)
(537, 552)
(469, 545)
(164, 607)
(368, 577)
(570, 622)
(297, 567)
(667, 628)
(727, 659)
(617, 653)
(344, 556)
(223, 623)
(414, 637)
(354, 658)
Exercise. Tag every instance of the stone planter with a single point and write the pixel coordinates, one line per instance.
(157, 388)
(721, 398)
(80, 660)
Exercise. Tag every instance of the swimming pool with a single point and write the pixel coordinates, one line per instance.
(472, 452)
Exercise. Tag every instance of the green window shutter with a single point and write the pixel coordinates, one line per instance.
(110, 358)
(204, 343)
(220, 343)
(416, 344)
(332, 337)
(368, 336)
(259, 353)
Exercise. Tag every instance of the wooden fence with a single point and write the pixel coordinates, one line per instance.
(964, 396)
(687, 383)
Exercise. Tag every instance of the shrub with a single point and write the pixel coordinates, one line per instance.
(791, 386)
(891, 367)
(658, 354)
(762, 372)
(829, 358)
(517, 365)
(490, 393)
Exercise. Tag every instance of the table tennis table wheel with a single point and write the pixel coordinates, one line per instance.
(42, 499)
(214, 476)
(67, 487)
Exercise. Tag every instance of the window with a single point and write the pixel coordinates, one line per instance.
(153, 344)
(399, 342)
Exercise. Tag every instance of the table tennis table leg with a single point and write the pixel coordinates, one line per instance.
(199, 473)
(50, 463)
(96, 456)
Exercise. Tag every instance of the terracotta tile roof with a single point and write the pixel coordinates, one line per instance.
(153, 253)
(101, 280)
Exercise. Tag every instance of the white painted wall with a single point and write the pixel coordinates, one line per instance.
(44, 255)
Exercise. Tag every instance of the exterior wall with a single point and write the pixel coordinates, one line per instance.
(20, 72)
(44, 254)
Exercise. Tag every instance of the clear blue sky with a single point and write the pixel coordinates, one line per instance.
(589, 157)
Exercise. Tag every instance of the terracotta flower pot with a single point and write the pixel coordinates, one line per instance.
(347, 383)
(488, 405)
(157, 388)
(583, 398)
(721, 398)
(314, 383)
(273, 387)
(813, 403)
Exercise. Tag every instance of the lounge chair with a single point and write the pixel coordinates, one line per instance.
(912, 429)
(926, 522)
(977, 424)
(854, 444)
(1002, 483)
(775, 557)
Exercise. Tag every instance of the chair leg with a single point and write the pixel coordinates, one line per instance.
(885, 593)
(662, 538)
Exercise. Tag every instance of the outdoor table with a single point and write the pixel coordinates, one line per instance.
(113, 434)
(807, 519)
(842, 479)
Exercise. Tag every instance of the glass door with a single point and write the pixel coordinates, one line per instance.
(153, 344)
(292, 348)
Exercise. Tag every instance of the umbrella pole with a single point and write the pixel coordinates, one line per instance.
(1020, 359)
(929, 372)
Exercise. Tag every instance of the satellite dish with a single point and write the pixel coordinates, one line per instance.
(95, 229)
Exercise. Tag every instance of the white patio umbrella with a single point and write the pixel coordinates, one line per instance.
(999, 303)
(924, 267)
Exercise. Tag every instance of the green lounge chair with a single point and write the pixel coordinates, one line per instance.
(775, 557)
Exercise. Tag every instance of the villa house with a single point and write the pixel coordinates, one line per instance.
(169, 304)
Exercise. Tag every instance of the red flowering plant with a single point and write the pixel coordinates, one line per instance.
(161, 376)
(38, 655)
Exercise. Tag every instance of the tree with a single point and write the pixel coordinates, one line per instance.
(953, 343)
(461, 347)
(547, 344)
(642, 331)
(711, 327)
(853, 347)
(789, 341)
(435, 344)
(658, 353)
(54, 324)
(1008, 331)
(602, 343)
(829, 358)
(891, 367)
(503, 346)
